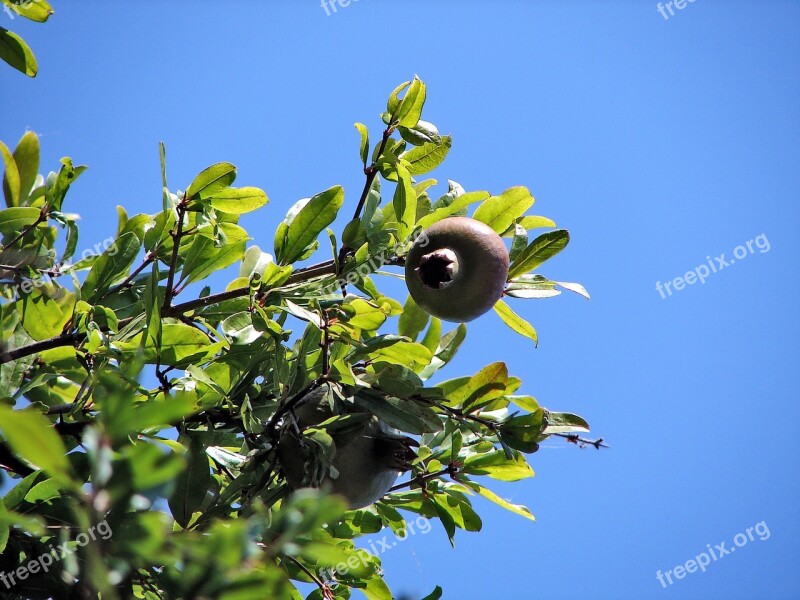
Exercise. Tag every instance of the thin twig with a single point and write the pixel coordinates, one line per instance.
(372, 170)
(41, 219)
(325, 345)
(74, 338)
(326, 592)
(272, 425)
(574, 438)
(421, 479)
(176, 246)
(148, 258)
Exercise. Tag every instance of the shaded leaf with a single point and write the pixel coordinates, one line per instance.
(539, 250)
(11, 177)
(364, 145)
(17, 53)
(32, 437)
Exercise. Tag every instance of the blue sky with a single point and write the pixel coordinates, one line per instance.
(657, 142)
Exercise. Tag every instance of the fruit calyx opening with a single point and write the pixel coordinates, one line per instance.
(438, 269)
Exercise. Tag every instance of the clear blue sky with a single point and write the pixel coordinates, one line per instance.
(656, 142)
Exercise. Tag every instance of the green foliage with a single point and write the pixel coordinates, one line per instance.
(13, 48)
(143, 411)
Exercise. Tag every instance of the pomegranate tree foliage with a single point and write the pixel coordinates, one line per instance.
(205, 512)
(13, 49)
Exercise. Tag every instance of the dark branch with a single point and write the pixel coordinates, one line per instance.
(574, 438)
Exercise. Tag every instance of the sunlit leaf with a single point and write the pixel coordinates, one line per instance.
(515, 322)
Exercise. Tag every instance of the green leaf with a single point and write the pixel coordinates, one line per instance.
(436, 594)
(5, 527)
(500, 212)
(180, 344)
(11, 177)
(558, 422)
(303, 226)
(529, 403)
(536, 222)
(519, 242)
(515, 322)
(410, 109)
(448, 346)
(110, 266)
(487, 384)
(211, 181)
(368, 315)
(162, 159)
(496, 465)
(237, 201)
(191, 485)
(458, 205)
(518, 509)
(35, 10)
(72, 241)
(405, 203)
(431, 338)
(523, 432)
(397, 380)
(425, 158)
(400, 413)
(56, 189)
(364, 146)
(393, 103)
(13, 372)
(124, 415)
(32, 437)
(205, 257)
(41, 316)
(303, 314)
(413, 320)
(407, 354)
(17, 53)
(532, 287)
(575, 288)
(539, 250)
(14, 220)
(376, 589)
(422, 133)
(152, 306)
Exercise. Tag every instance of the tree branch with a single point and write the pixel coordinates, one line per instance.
(451, 470)
(176, 246)
(149, 257)
(372, 171)
(42, 218)
(574, 438)
(71, 339)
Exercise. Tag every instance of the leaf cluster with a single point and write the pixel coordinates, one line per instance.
(122, 407)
